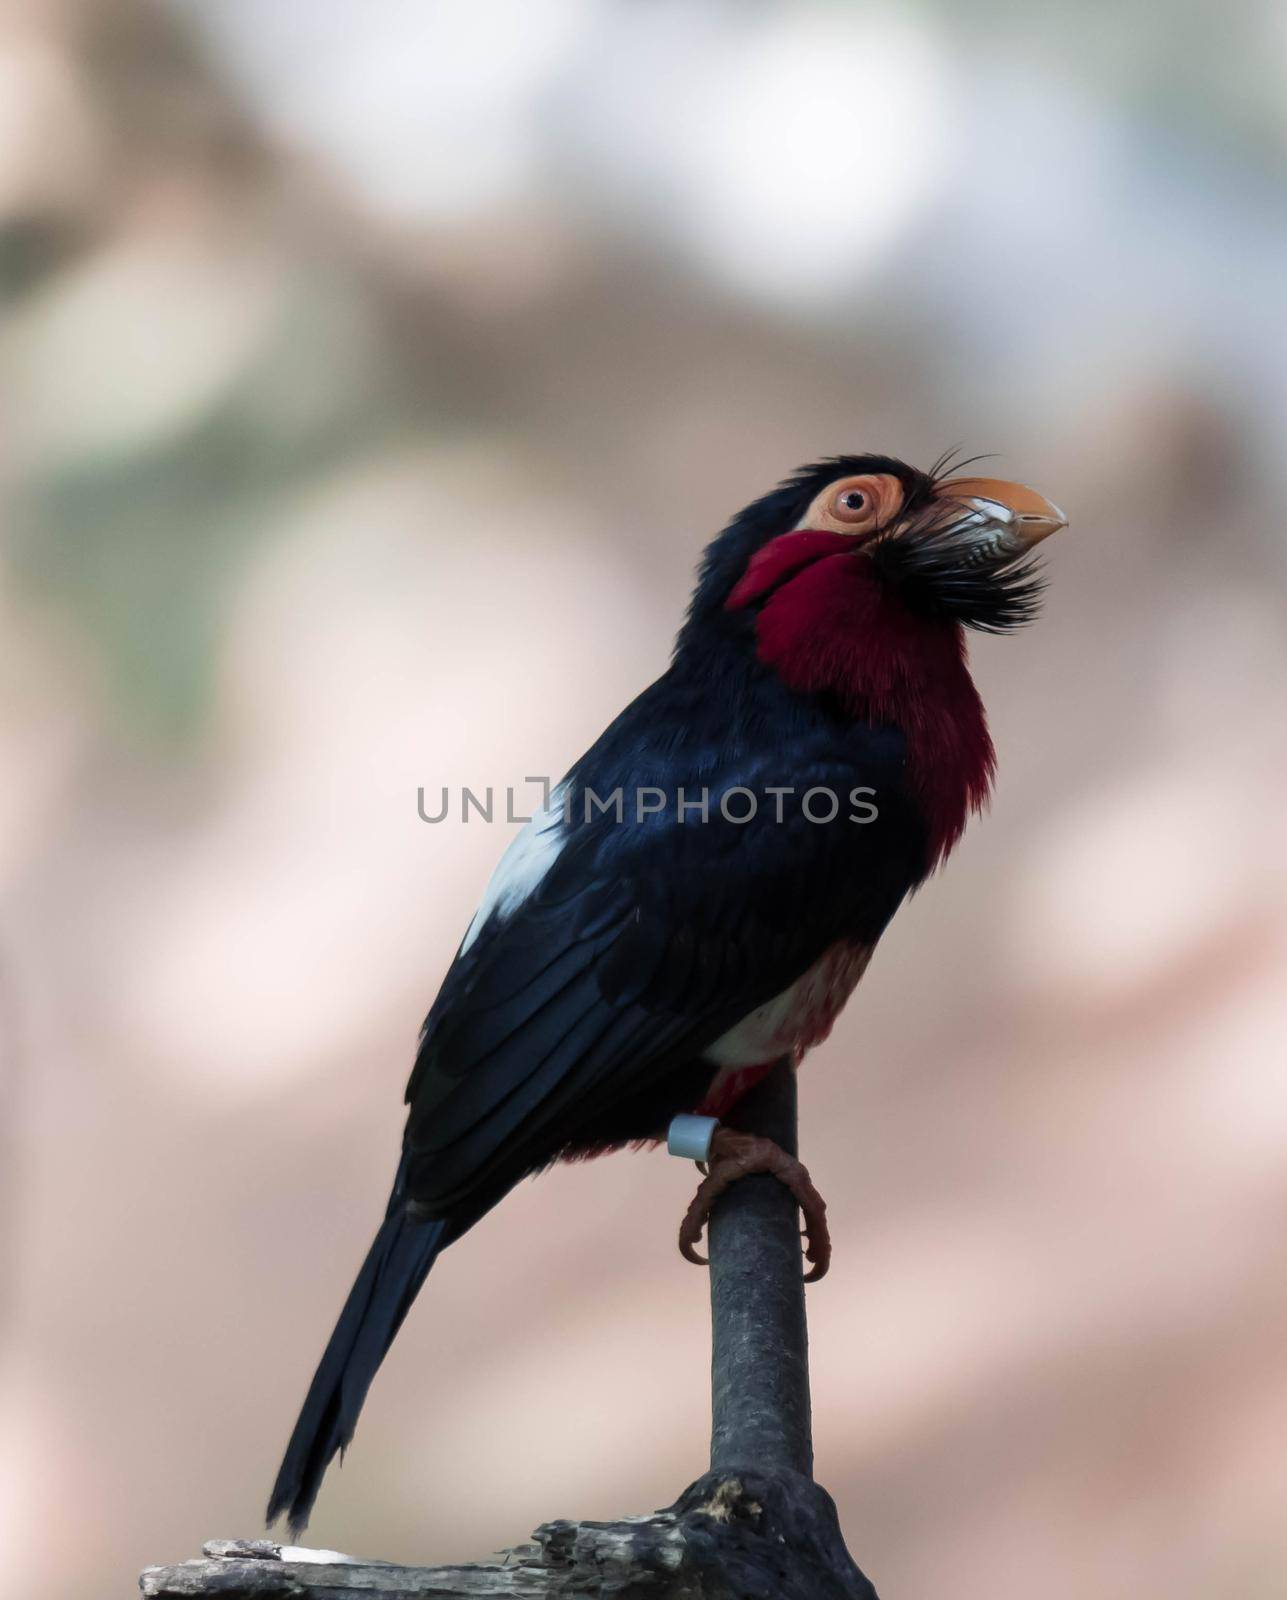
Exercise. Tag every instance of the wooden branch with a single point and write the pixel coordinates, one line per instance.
(755, 1527)
(770, 1535)
(760, 1411)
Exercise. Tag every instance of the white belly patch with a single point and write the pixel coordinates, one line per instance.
(793, 1021)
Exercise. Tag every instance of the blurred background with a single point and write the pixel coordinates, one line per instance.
(372, 375)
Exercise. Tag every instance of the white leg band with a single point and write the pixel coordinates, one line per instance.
(690, 1137)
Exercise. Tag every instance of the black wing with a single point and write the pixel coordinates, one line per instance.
(644, 941)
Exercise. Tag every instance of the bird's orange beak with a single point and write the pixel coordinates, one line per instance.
(1024, 516)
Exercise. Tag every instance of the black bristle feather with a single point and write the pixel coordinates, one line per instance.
(935, 566)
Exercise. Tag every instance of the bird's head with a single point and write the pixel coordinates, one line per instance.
(942, 544)
(854, 581)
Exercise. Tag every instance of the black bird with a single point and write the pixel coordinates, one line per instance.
(706, 885)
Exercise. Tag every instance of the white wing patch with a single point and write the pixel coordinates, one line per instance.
(529, 856)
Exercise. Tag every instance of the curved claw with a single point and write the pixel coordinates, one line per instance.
(738, 1155)
(687, 1249)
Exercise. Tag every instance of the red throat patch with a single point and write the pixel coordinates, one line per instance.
(830, 626)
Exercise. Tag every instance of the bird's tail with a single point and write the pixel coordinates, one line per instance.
(396, 1265)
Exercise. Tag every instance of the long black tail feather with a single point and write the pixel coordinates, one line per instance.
(396, 1265)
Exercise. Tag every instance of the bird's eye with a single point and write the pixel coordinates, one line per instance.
(859, 505)
(855, 505)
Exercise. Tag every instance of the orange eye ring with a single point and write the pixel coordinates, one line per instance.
(856, 505)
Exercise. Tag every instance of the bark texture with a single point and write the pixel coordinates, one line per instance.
(767, 1535)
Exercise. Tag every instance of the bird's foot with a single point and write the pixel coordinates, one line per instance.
(736, 1155)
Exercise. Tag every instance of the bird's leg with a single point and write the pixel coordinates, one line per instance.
(736, 1155)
